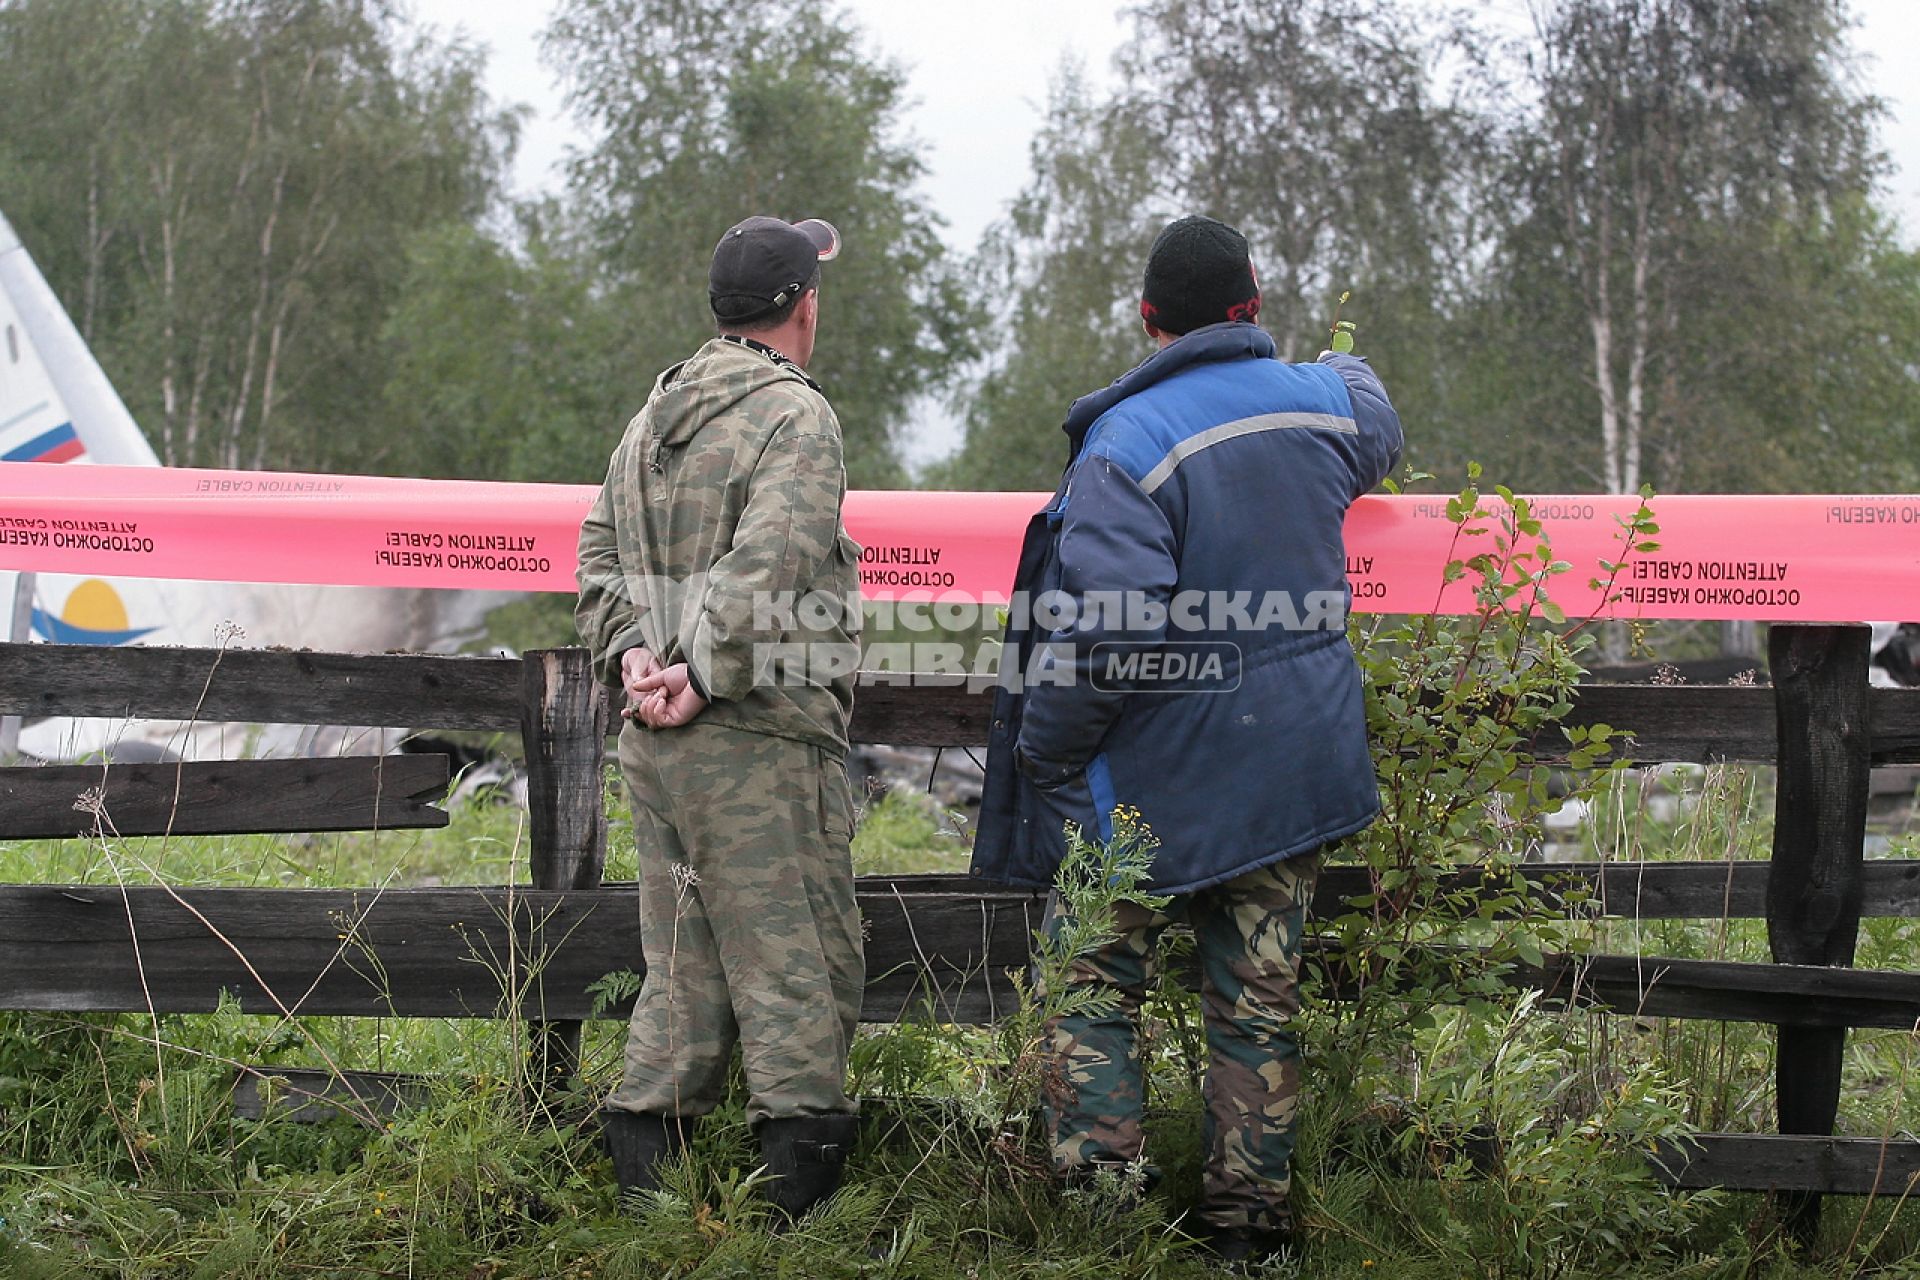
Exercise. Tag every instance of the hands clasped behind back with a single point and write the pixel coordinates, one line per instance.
(658, 697)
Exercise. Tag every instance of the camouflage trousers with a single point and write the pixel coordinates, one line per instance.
(1247, 934)
(747, 922)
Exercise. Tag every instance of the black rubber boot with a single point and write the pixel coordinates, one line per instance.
(638, 1143)
(806, 1156)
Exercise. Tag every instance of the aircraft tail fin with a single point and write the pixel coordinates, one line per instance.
(56, 404)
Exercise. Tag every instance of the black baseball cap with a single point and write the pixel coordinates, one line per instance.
(762, 264)
(1198, 273)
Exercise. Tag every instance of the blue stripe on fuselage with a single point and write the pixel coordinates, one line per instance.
(44, 443)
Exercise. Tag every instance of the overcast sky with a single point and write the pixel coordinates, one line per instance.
(978, 77)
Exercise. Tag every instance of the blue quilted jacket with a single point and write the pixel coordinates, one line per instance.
(1182, 646)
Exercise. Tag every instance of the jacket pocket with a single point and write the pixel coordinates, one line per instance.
(836, 796)
(847, 549)
(1053, 809)
(846, 580)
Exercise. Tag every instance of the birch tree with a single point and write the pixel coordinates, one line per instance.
(1317, 128)
(225, 202)
(1662, 134)
(704, 112)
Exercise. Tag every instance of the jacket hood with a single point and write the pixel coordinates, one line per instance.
(1232, 340)
(705, 385)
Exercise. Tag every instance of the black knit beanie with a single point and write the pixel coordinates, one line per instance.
(1198, 274)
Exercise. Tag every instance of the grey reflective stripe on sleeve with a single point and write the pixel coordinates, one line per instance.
(1244, 427)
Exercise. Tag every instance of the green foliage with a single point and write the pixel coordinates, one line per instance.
(1422, 1050)
(1313, 128)
(1340, 333)
(219, 190)
(1095, 878)
(505, 366)
(615, 988)
(1683, 253)
(1455, 710)
(282, 231)
(483, 843)
(1309, 126)
(1562, 1186)
(1639, 243)
(1064, 271)
(704, 112)
(1811, 328)
(901, 833)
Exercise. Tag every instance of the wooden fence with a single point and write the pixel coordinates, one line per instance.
(939, 943)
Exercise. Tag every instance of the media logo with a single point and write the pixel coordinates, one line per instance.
(1174, 666)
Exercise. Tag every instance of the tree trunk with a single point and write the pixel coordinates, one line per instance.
(256, 324)
(96, 249)
(1602, 322)
(259, 459)
(174, 450)
(1633, 428)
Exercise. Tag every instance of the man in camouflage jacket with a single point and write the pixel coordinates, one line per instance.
(718, 590)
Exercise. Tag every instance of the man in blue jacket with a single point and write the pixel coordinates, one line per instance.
(1178, 648)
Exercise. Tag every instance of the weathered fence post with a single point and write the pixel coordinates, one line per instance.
(563, 726)
(20, 614)
(1819, 839)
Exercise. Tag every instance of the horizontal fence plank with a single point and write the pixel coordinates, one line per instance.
(260, 686)
(1676, 723)
(1778, 1162)
(933, 712)
(441, 952)
(1628, 890)
(222, 797)
(1729, 991)
(364, 952)
(1667, 722)
(1730, 1161)
(449, 953)
(1894, 715)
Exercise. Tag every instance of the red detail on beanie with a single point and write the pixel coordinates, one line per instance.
(1148, 311)
(1245, 311)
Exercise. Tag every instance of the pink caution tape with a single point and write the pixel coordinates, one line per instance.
(1788, 558)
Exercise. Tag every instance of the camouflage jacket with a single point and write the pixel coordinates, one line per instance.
(716, 540)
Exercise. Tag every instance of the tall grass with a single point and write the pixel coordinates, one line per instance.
(121, 1155)
(1448, 1129)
